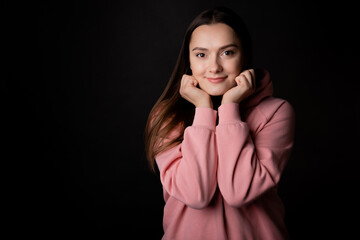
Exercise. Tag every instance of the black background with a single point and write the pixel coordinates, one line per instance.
(81, 78)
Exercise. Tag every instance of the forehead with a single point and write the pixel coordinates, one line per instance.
(213, 36)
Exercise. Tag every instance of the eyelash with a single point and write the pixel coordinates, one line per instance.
(230, 52)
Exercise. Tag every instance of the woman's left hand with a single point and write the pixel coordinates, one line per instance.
(245, 86)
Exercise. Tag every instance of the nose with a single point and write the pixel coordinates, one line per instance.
(215, 65)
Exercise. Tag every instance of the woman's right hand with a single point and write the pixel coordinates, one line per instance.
(191, 93)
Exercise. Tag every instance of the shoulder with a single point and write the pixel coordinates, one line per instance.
(272, 107)
(270, 110)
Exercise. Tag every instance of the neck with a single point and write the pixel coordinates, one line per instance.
(216, 100)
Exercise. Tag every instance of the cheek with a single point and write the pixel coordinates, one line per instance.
(197, 68)
(233, 67)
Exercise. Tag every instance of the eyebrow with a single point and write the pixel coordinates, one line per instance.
(223, 47)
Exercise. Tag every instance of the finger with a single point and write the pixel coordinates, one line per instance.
(183, 81)
(189, 82)
(186, 80)
(248, 77)
(253, 78)
(240, 79)
(252, 72)
(194, 82)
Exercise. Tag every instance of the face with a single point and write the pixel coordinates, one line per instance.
(215, 57)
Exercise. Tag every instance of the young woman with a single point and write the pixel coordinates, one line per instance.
(219, 138)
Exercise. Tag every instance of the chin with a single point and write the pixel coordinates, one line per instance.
(216, 92)
(217, 89)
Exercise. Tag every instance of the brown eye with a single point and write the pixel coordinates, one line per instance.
(201, 55)
(228, 53)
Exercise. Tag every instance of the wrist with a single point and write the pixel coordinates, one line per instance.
(204, 103)
(225, 100)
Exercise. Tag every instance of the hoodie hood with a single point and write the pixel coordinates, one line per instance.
(264, 88)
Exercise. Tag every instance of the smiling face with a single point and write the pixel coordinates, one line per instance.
(215, 57)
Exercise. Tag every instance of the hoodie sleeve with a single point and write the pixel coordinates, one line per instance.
(248, 167)
(188, 171)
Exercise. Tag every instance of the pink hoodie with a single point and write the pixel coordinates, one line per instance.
(221, 181)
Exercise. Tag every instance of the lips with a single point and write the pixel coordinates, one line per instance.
(216, 79)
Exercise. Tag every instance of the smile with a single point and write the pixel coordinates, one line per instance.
(216, 80)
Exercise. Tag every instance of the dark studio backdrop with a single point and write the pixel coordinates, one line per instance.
(81, 78)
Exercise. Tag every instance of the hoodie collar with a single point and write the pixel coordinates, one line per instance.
(264, 88)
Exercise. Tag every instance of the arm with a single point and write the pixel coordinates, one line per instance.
(188, 171)
(249, 167)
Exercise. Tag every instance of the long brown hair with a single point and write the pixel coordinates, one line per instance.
(171, 110)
